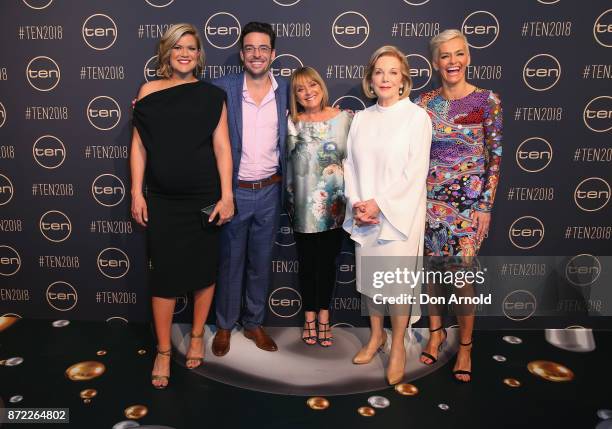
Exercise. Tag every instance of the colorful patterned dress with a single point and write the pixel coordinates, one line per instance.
(464, 168)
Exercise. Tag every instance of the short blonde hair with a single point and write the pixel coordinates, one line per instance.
(304, 74)
(390, 51)
(443, 37)
(167, 42)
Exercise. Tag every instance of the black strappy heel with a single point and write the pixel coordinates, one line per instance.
(429, 356)
(463, 371)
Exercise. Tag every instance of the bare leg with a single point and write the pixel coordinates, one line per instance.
(377, 339)
(464, 359)
(309, 327)
(397, 357)
(162, 319)
(202, 300)
(324, 320)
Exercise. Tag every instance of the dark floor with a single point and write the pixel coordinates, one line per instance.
(193, 402)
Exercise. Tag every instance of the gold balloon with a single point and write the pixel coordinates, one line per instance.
(318, 403)
(135, 412)
(366, 411)
(7, 321)
(406, 389)
(512, 382)
(101, 352)
(88, 393)
(550, 371)
(85, 370)
(142, 352)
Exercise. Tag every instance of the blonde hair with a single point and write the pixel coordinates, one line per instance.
(304, 74)
(443, 37)
(167, 42)
(390, 51)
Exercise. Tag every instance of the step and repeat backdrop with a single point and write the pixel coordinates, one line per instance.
(69, 70)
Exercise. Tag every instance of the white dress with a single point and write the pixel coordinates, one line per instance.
(388, 160)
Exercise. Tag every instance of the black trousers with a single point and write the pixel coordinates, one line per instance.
(317, 254)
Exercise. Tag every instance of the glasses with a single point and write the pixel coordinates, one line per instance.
(250, 49)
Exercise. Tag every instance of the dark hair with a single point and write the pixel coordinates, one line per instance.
(258, 27)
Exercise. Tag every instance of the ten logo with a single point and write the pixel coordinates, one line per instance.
(345, 273)
(6, 190)
(43, 73)
(541, 72)
(526, 232)
(108, 190)
(2, 115)
(99, 32)
(285, 302)
(286, 2)
(222, 30)
(159, 3)
(548, 1)
(597, 114)
(519, 305)
(55, 226)
(62, 296)
(583, 270)
(10, 261)
(285, 64)
(113, 263)
(181, 304)
(592, 194)
(349, 102)
(534, 154)
(284, 236)
(420, 70)
(37, 4)
(150, 69)
(602, 29)
(481, 29)
(103, 113)
(49, 152)
(350, 29)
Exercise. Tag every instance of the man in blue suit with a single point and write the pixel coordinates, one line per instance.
(257, 119)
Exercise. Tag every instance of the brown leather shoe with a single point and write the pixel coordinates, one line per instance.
(221, 343)
(261, 339)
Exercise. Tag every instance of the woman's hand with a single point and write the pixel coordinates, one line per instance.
(366, 212)
(481, 221)
(139, 210)
(225, 210)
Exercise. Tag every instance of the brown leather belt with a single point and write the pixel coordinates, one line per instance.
(275, 178)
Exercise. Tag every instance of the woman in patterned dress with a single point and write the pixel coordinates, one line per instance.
(463, 177)
(316, 147)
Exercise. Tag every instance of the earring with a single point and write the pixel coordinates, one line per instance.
(401, 90)
(371, 90)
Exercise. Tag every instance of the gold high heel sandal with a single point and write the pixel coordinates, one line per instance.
(363, 356)
(158, 377)
(198, 359)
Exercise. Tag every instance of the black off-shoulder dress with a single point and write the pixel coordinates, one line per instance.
(176, 126)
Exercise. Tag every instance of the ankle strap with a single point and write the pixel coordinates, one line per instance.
(164, 352)
(197, 336)
(437, 329)
(324, 324)
(465, 344)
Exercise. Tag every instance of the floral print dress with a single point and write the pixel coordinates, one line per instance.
(464, 168)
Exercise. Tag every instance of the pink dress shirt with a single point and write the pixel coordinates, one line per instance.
(260, 152)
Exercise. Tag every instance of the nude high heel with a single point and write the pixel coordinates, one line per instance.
(363, 356)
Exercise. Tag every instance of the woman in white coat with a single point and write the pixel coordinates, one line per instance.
(385, 186)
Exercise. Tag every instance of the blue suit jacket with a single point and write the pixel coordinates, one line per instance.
(232, 85)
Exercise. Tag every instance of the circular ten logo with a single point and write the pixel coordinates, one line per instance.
(541, 72)
(37, 4)
(349, 102)
(222, 30)
(526, 232)
(534, 154)
(597, 115)
(345, 273)
(6, 190)
(350, 29)
(2, 115)
(286, 2)
(285, 302)
(481, 29)
(420, 71)
(49, 152)
(416, 2)
(583, 270)
(55, 226)
(592, 194)
(602, 29)
(159, 3)
(150, 69)
(181, 304)
(10, 261)
(284, 235)
(113, 263)
(103, 113)
(108, 190)
(62, 296)
(519, 305)
(99, 31)
(43, 73)
(285, 64)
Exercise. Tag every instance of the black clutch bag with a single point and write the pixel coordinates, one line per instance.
(205, 214)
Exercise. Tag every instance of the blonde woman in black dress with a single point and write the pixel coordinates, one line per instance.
(181, 151)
